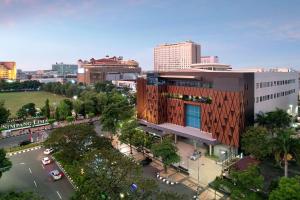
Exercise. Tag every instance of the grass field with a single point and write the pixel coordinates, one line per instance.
(15, 100)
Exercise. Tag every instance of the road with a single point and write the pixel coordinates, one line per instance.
(14, 141)
(28, 174)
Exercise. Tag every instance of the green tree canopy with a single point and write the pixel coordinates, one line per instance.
(64, 109)
(289, 188)
(117, 110)
(167, 151)
(242, 185)
(46, 109)
(27, 110)
(128, 132)
(5, 163)
(274, 119)
(255, 141)
(285, 143)
(4, 113)
(20, 196)
(74, 141)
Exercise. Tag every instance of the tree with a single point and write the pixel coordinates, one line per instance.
(167, 151)
(5, 164)
(242, 184)
(78, 107)
(117, 110)
(27, 110)
(289, 188)
(64, 110)
(128, 131)
(255, 141)
(74, 141)
(20, 196)
(141, 140)
(109, 173)
(284, 144)
(46, 109)
(274, 119)
(104, 87)
(4, 113)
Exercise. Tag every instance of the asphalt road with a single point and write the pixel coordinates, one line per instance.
(14, 141)
(28, 174)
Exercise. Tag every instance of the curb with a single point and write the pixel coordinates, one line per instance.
(23, 151)
(165, 180)
(65, 173)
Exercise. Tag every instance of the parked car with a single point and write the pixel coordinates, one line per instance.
(146, 161)
(25, 142)
(56, 175)
(195, 155)
(48, 151)
(46, 161)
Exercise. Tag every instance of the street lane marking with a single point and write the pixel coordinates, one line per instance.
(58, 194)
(22, 163)
(43, 167)
(30, 171)
(35, 183)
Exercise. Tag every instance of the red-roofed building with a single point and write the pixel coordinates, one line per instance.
(8, 70)
(107, 69)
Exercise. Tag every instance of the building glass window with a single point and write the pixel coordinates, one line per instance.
(192, 116)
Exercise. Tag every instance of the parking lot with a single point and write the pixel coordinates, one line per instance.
(28, 174)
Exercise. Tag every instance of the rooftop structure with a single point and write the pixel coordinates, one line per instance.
(107, 69)
(8, 70)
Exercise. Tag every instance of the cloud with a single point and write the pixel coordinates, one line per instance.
(15, 11)
(278, 30)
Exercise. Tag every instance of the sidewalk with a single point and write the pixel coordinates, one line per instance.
(171, 175)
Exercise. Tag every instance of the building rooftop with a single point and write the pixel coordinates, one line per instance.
(8, 65)
(184, 131)
(109, 61)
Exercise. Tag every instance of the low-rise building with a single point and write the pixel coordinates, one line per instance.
(107, 69)
(65, 69)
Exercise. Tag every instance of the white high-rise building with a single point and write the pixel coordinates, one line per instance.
(209, 59)
(172, 57)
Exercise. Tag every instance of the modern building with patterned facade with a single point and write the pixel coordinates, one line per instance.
(8, 70)
(212, 107)
(107, 69)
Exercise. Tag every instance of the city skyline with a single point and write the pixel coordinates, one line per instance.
(37, 34)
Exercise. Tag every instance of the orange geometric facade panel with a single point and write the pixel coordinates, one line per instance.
(224, 117)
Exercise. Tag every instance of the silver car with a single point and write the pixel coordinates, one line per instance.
(195, 155)
(56, 175)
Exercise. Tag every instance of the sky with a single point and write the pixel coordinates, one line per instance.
(243, 33)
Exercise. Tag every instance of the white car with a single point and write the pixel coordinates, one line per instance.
(46, 161)
(48, 151)
(195, 155)
(55, 175)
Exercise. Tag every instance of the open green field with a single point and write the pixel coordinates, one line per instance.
(15, 100)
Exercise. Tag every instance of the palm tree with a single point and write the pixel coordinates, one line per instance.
(273, 120)
(284, 144)
(261, 119)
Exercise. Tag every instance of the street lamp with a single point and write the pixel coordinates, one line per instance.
(122, 195)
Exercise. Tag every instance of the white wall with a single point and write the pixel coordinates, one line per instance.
(287, 102)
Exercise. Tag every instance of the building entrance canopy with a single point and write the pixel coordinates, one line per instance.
(188, 132)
